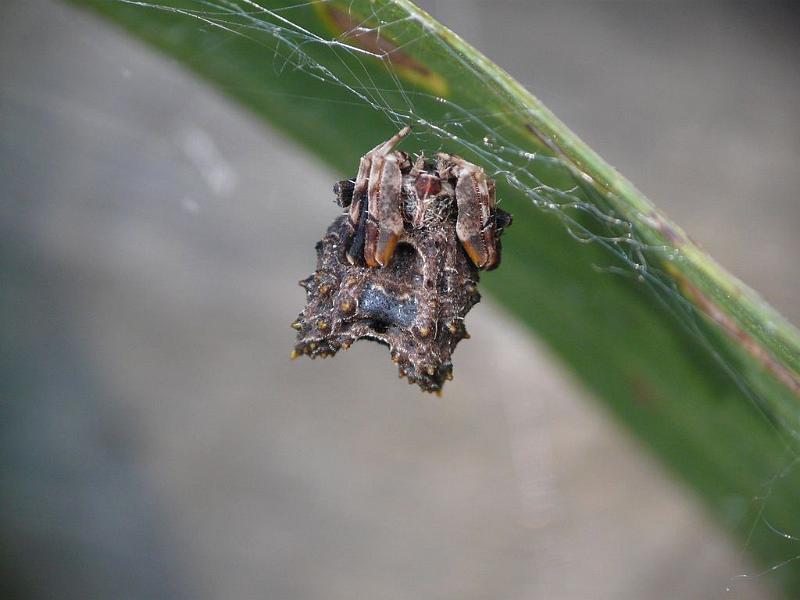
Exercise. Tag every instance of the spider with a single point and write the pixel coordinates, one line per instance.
(390, 193)
(400, 265)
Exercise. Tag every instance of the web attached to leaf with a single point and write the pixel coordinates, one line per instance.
(342, 54)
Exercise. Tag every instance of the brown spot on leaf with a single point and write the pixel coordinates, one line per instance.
(746, 341)
(644, 392)
(670, 231)
(357, 31)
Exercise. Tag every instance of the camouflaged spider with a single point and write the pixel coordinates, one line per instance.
(389, 191)
(401, 264)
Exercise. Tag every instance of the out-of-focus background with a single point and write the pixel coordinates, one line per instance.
(155, 440)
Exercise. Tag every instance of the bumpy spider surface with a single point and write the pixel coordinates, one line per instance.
(400, 266)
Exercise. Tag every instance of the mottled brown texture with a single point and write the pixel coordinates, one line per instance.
(417, 303)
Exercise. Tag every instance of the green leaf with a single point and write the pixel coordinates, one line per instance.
(700, 367)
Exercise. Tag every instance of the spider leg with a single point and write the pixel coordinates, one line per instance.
(384, 217)
(384, 148)
(475, 198)
(358, 211)
(375, 209)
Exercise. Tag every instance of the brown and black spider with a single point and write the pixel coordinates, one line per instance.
(400, 266)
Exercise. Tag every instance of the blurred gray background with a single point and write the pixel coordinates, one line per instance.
(155, 440)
